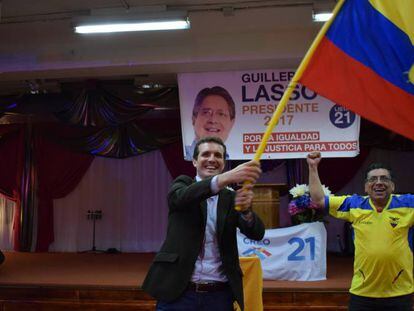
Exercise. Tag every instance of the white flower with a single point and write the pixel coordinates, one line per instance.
(326, 190)
(299, 190)
(302, 189)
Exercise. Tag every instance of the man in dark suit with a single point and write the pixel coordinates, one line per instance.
(198, 267)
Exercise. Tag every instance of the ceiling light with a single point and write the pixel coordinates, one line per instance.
(123, 27)
(321, 17)
(322, 10)
(167, 20)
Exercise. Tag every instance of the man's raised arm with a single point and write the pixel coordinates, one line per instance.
(315, 186)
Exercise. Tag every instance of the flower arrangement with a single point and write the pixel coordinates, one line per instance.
(301, 208)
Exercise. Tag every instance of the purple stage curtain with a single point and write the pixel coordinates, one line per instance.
(174, 159)
(11, 168)
(59, 172)
(335, 173)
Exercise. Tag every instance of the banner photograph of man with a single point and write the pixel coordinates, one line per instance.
(213, 115)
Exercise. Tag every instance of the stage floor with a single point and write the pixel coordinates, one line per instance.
(128, 271)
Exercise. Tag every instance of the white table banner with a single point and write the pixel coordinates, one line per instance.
(296, 253)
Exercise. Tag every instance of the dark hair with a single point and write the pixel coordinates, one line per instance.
(218, 91)
(209, 139)
(377, 165)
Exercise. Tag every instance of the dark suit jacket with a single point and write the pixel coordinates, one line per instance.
(173, 265)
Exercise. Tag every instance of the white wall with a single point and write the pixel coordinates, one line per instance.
(274, 37)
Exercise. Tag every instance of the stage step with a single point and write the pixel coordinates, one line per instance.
(304, 300)
(63, 298)
(49, 298)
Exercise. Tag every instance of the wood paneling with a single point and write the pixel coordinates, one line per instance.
(106, 299)
(266, 203)
(58, 298)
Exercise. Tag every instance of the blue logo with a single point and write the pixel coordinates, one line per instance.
(253, 242)
(341, 117)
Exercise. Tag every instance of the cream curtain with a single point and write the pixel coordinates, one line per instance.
(7, 209)
(131, 193)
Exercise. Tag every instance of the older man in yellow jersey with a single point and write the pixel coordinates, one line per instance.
(382, 221)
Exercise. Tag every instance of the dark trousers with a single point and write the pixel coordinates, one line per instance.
(200, 301)
(399, 303)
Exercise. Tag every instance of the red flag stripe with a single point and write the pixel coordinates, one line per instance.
(337, 76)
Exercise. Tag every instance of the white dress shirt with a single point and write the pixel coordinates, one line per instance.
(208, 266)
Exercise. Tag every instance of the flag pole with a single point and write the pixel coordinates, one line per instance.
(292, 85)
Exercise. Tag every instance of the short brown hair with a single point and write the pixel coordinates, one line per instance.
(209, 139)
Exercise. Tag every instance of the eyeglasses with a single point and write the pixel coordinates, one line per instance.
(208, 113)
(383, 179)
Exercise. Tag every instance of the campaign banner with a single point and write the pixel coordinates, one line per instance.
(237, 107)
(296, 253)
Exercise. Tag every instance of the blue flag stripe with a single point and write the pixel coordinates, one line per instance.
(369, 37)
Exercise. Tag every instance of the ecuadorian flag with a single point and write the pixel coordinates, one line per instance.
(365, 62)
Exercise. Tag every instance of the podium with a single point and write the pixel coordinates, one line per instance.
(266, 203)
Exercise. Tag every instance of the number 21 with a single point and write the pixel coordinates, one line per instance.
(301, 245)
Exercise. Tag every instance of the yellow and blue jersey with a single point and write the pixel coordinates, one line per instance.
(383, 265)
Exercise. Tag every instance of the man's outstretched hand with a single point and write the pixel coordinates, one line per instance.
(313, 159)
(249, 171)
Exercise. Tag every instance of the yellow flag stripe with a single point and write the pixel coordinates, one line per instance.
(399, 12)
